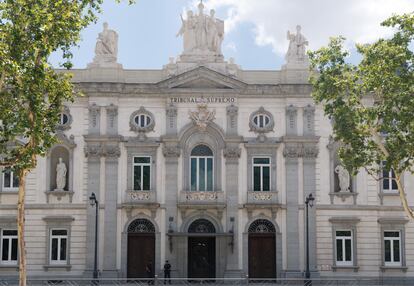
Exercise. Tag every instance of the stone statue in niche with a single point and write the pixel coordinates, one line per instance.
(344, 178)
(202, 34)
(61, 175)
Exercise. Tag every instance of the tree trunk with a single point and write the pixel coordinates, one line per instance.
(403, 198)
(20, 227)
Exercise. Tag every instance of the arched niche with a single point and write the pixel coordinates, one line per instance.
(57, 153)
(64, 150)
(334, 162)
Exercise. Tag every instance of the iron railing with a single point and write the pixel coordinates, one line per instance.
(388, 281)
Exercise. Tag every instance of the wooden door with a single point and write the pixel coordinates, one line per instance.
(201, 257)
(262, 256)
(141, 251)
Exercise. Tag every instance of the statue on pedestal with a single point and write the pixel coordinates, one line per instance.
(60, 175)
(296, 54)
(106, 49)
(202, 34)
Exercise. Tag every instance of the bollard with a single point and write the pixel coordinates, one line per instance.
(155, 279)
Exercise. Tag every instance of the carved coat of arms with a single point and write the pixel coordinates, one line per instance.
(202, 117)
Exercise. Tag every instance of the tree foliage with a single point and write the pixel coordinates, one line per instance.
(31, 91)
(371, 104)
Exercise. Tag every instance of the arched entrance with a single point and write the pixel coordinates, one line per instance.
(262, 249)
(141, 248)
(201, 249)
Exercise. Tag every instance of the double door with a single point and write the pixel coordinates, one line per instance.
(141, 254)
(201, 257)
(262, 255)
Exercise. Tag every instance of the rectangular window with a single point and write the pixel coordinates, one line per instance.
(58, 246)
(9, 246)
(392, 249)
(142, 173)
(10, 180)
(389, 184)
(261, 174)
(201, 178)
(343, 247)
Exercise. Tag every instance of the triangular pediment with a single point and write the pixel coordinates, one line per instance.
(202, 78)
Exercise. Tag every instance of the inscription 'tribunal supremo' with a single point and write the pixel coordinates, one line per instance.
(198, 100)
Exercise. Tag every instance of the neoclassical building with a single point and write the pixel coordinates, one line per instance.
(206, 165)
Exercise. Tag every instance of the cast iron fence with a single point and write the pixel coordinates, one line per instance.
(212, 282)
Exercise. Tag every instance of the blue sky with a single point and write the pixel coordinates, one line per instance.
(255, 29)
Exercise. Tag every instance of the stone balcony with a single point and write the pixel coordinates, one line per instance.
(209, 200)
(267, 198)
(208, 197)
(139, 197)
(262, 200)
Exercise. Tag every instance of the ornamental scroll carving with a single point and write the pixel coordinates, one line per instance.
(100, 150)
(300, 150)
(262, 197)
(93, 150)
(171, 151)
(112, 151)
(201, 196)
(232, 152)
(139, 196)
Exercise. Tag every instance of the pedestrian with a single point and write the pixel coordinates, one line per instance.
(148, 270)
(167, 272)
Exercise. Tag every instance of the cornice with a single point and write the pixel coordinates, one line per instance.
(107, 89)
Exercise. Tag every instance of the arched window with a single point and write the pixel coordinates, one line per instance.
(262, 226)
(201, 226)
(201, 162)
(141, 226)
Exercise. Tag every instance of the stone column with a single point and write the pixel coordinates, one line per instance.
(111, 153)
(310, 152)
(171, 153)
(232, 155)
(93, 152)
(292, 153)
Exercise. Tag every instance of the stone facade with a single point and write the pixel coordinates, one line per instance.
(240, 115)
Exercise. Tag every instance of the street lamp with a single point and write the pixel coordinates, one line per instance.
(94, 202)
(309, 203)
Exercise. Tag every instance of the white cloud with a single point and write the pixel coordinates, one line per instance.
(231, 46)
(357, 20)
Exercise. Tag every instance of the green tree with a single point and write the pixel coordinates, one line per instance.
(371, 104)
(31, 91)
